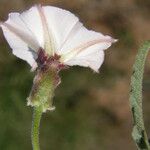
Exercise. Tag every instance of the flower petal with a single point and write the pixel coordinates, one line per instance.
(85, 48)
(83, 37)
(93, 60)
(61, 23)
(49, 41)
(20, 39)
(33, 21)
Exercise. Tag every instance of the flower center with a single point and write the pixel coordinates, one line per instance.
(45, 62)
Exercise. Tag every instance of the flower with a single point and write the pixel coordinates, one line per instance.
(50, 39)
(43, 32)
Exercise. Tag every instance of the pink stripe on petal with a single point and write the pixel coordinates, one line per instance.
(91, 43)
(30, 41)
(48, 36)
(86, 45)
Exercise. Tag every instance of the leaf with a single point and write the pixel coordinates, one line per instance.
(139, 133)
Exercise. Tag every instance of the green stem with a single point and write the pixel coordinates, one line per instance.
(37, 114)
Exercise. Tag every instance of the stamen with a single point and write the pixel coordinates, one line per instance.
(77, 50)
(49, 45)
(31, 42)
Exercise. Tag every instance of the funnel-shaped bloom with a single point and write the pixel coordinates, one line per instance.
(50, 39)
(41, 33)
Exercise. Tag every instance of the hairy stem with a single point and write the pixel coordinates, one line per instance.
(139, 133)
(37, 114)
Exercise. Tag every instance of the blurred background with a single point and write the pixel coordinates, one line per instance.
(92, 110)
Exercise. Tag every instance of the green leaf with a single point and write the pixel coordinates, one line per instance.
(139, 133)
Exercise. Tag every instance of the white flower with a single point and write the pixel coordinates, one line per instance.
(57, 32)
